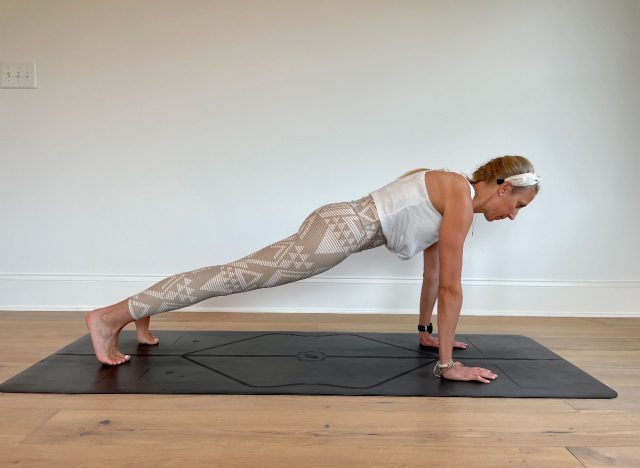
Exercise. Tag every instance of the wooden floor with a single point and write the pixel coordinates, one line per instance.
(299, 431)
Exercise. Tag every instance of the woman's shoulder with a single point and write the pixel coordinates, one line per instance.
(443, 184)
(452, 179)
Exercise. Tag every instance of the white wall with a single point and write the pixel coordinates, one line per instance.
(170, 135)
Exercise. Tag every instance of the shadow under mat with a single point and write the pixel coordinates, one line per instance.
(303, 363)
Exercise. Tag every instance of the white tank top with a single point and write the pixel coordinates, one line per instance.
(409, 220)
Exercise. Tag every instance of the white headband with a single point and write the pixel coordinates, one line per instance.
(522, 180)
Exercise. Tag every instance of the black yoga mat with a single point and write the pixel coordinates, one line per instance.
(307, 363)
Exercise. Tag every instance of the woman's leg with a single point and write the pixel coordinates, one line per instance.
(326, 237)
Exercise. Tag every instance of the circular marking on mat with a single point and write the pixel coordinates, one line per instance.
(311, 356)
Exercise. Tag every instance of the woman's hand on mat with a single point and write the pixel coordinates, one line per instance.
(429, 340)
(461, 372)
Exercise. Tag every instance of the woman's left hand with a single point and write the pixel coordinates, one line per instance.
(430, 341)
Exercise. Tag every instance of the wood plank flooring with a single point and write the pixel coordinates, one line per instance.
(325, 431)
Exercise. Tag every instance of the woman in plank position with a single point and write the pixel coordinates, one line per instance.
(424, 210)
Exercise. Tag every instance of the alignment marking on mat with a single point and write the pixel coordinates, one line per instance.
(308, 383)
(420, 356)
(503, 373)
(404, 373)
(474, 345)
(516, 383)
(131, 354)
(310, 335)
(326, 356)
(383, 357)
(417, 351)
(232, 342)
(413, 350)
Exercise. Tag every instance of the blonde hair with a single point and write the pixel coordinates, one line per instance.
(498, 168)
(503, 167)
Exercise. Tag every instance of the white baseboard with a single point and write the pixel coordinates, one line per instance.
(334, 294)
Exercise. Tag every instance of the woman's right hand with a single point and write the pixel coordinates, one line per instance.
(461, 372)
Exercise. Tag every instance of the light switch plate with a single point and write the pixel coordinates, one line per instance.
(18, 75)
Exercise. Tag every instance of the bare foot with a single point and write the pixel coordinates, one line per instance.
(143, 333)
(104, 326)
(431, 342)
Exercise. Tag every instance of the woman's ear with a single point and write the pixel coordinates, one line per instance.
(506, 187)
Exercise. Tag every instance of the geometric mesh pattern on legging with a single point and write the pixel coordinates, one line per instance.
(326, 237)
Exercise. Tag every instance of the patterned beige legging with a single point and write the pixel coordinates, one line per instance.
(327, 236)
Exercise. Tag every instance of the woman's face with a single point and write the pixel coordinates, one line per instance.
(506, 204)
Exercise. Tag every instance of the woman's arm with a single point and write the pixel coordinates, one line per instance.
(430, 274)
(456, 221)
(429, 294)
